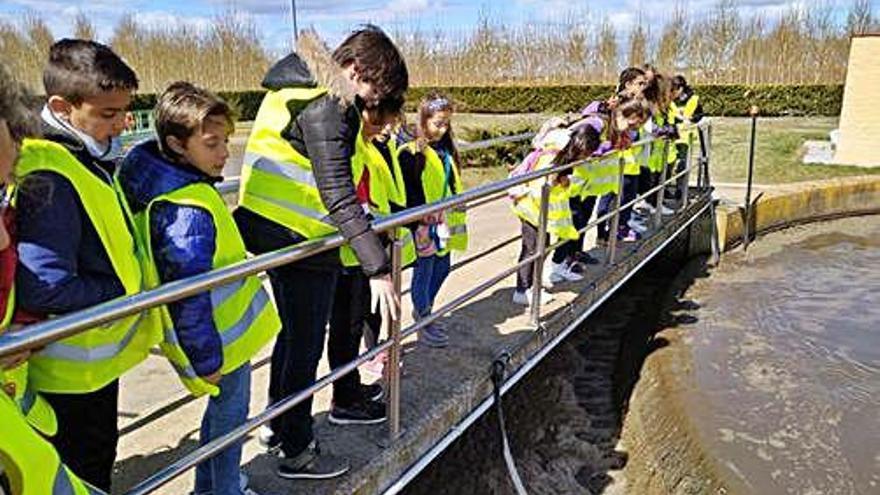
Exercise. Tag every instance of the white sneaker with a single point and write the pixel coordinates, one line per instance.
(562, 272)
(665, 210)
(643, 205)
(524, 298)
(636, 225)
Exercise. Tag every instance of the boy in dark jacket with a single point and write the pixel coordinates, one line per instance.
(297, 185)
(185, 228)
(70, 257)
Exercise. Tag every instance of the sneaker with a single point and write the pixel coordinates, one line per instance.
(373, 392)
(562, 272)
(637, 225)
(434, 336)
(585, 258)
(312, 464)
(628, 235)
(365, 412)
(644, 206)
(665, 210)
(525, 297)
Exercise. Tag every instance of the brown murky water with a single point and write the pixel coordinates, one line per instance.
(782, 387)
(786, 362)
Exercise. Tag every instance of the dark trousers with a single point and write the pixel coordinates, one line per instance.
(88, 432)
(304, 298)
(351, 304)
(647, 181)
(606, 204)
(581, 211)
(524, 276)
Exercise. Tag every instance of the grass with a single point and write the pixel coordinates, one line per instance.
(777, 160)
(778, 154)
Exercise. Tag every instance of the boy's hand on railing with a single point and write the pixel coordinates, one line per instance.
(382, 295)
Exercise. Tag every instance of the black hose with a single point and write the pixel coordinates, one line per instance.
(498, 368)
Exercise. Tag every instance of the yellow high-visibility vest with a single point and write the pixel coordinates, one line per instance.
(597, 177)
(277, 182)
(29, 461)
(528, 206)
(435, 185)
(92, 359)
(243, 312)
(385, 188)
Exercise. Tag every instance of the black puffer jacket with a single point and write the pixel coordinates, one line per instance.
(324, 130)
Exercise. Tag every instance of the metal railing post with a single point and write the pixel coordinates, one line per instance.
(684, 181)
(538, 268)
(615, 220)
(661, 193)
(393, 364)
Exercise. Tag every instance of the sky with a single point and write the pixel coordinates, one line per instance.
(334, 18)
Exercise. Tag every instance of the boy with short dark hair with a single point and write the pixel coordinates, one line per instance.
(185, 228)
(75, 250)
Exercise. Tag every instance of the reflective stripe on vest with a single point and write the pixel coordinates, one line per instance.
(243, 313)
(596, 177)
(528, 207)
(33, 406)
(277, 182)
(435, 188)
(29, 461)
(90, 360)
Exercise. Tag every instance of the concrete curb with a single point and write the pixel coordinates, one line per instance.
(801, 203)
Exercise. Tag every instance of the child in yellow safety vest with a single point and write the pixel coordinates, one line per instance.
(353, 401)
(555, 147)
(185, 228)
(29, 464)
(430, 165)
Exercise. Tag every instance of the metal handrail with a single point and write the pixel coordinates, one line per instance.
(38, 335)
(197, 456)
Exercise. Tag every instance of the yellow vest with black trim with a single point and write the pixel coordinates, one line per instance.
(92, 359)
(277, 182)
(385, 188)
(435, 187)
(596, 177)
(528, 206)
(29, 461)
(243, 312)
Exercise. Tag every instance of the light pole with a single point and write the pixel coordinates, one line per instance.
(293, 22)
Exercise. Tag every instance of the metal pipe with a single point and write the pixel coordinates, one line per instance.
(747, 223)
(658, 207)
(615, 220)
(393, 365)
(684, 184)
(541, 249)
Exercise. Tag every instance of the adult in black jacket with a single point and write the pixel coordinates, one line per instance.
(366, 71)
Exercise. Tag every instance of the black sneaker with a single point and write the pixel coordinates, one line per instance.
(373, 392)
(311, 464)
(365, 412)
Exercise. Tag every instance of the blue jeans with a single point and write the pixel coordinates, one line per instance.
(428, 276)
(220, 475)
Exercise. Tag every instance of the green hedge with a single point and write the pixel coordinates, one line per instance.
(730, 100)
